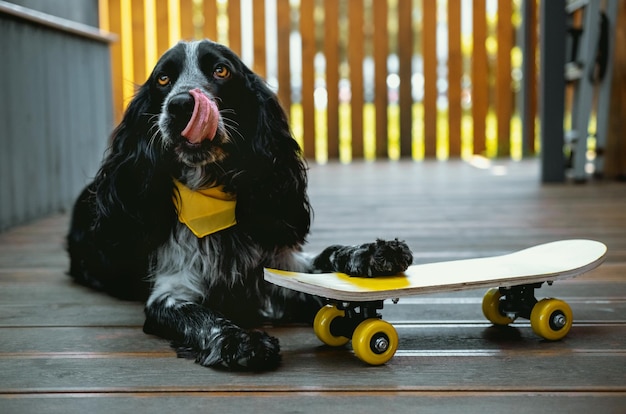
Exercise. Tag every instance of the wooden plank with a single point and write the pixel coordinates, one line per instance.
(503, 92)
(331, 51)
(529, 82)
(116, 60)
(429, 47)
(595, 371)
(258, 10)
(341, 402)
(615, 153)
(209, 11)
(163, 24)
(405, 55)
(419, 332)
(480, 75)
(57, 23)
(307, 32)
(455, 73)
(138, 42)
(381, 50)
(187, 29)
(355, 60)
(283, 10)
(234, 26)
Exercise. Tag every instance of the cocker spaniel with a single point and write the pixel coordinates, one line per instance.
(202, 187)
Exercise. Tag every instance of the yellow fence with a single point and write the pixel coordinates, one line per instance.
(361, 79)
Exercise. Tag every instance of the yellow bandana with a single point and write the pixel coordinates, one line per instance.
(205, 211)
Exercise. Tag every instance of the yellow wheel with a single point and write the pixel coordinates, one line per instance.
(491, 308)
(321, 326)
(375, 341)
(551, 319)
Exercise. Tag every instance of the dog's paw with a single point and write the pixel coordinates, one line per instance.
(381, 258)
(253, 351)
(239, 350)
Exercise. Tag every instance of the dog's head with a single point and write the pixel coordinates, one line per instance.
(204, 118)
(204, 94)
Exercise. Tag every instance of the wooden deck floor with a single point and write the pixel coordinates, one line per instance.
(66, 349)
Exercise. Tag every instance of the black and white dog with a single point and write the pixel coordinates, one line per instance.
(202, 187)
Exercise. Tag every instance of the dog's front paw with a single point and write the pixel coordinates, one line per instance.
(238, 350)
(381, 258)
(253, 351)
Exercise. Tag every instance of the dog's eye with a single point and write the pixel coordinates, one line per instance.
(221, 72)
(163, 80)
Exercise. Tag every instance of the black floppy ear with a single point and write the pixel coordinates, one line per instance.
(133, 187)
(274, 208)
(121, 217)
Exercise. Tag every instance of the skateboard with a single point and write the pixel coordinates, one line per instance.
(353, 302)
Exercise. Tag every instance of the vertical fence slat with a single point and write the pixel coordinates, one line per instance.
(126, 43)
(455, 73)
(187, 30)
(381, 50)
(139, 41)
(163, 24)
(429, 48)
(209, 27)
(503, 94)
(283, 10)
(259, 37)
(151, 51)
(530, 77)
(114, 26)
(479, 75)
(331, 50)
(307, 31)
(355, 56)
(405, 54)
(234, 25)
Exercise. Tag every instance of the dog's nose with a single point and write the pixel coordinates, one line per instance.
(181, 107)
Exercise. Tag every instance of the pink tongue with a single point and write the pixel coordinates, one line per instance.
(203, 122)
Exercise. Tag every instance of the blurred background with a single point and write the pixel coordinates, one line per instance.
(371, 80)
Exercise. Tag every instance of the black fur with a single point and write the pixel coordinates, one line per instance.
(125, 237)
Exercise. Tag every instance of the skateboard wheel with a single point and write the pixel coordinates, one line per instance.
(322, 322)
(375, 341)
(551, 319)
(491, 308)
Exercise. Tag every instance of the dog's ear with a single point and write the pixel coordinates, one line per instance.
(133, 187)
(274, 207)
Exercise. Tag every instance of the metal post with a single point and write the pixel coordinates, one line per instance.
(552, 92)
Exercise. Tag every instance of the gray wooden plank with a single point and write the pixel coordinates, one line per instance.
(326, 370)
(415, 339)
(313, 402)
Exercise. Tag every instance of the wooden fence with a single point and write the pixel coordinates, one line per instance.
(360, 78)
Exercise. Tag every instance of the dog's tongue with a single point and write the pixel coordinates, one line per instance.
(203, 122)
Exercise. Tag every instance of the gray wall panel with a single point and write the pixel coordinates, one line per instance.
(55, 117)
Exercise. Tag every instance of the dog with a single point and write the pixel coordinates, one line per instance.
(202, 187)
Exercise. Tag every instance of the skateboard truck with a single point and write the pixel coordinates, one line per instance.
(549, 318)
(518, 300)
(354, 314)
(374, 340)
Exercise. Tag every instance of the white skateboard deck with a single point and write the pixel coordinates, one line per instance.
(543, 263)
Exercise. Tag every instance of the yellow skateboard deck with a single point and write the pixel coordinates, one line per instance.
(354, 301)
(546, 262)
